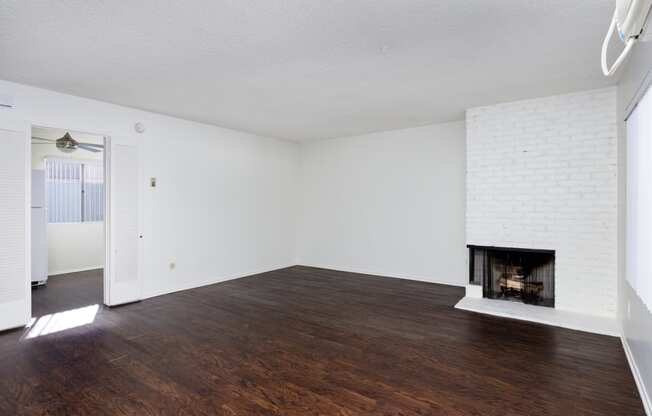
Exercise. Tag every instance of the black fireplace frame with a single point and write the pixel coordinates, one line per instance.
(473, 247)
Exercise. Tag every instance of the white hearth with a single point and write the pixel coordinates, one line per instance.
(540, 314)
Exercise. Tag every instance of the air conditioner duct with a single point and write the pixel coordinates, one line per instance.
(630, 20)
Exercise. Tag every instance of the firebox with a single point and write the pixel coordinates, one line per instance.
(515, 274)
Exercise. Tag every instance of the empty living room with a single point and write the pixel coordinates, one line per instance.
(312, 207)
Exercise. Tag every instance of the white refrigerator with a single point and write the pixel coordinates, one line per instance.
(39, 229)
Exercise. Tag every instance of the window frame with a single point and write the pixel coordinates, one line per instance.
(82, 163)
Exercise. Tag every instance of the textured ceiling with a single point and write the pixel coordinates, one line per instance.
(305, 69)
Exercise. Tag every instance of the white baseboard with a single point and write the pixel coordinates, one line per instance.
(194, 285)
(81, 269)
(640, 384)
(428, 279)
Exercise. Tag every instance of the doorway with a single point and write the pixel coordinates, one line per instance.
(68, 239)
(122, 280)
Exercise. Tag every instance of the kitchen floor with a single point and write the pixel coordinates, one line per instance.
(67, 291)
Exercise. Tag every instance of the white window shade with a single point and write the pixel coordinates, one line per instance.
(93, 192)
(75, 190)
(63, 183)
(639, 199)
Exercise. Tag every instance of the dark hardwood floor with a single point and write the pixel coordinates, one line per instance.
(67, 291)
(305, 341)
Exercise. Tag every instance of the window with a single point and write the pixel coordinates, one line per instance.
(75, 190)
(639, 199)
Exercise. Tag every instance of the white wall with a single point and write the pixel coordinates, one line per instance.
(388, 203)
(225, 201)
(635, 318)
(74, 247)
(542, 174)
(84, 240)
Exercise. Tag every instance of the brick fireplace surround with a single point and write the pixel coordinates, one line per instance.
(542, 174)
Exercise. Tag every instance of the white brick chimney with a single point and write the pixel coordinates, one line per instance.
(542, 174)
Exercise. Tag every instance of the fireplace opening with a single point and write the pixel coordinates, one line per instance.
(514, 274)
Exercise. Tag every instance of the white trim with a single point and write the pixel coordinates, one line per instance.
(78, 222)
(474, 291)
(542, 315)
(8, 310)
(30, 124)
(640, 384)
(74, 270)
(118, 293)
(642, 89)
(106, 158)
(418, 278)
(97, 162)
(80, 130)
(195, 285)
(28, 221)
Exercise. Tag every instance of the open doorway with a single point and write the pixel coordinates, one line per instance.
(67, 227)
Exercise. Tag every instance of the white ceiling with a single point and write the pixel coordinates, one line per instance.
(305, 69)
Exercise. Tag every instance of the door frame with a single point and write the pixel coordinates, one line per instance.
(107, 210)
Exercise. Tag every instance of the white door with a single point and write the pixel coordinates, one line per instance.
(14, 241)
(124, 254)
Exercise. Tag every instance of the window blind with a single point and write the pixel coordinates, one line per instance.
(75, 190)
(93, 192)
(639, 200)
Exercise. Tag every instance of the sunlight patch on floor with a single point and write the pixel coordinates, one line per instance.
(61, 321)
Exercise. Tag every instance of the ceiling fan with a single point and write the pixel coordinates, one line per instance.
(68, 145)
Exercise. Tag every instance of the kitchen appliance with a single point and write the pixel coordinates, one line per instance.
(39, 229)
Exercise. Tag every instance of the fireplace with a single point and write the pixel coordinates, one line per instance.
(514, 274)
